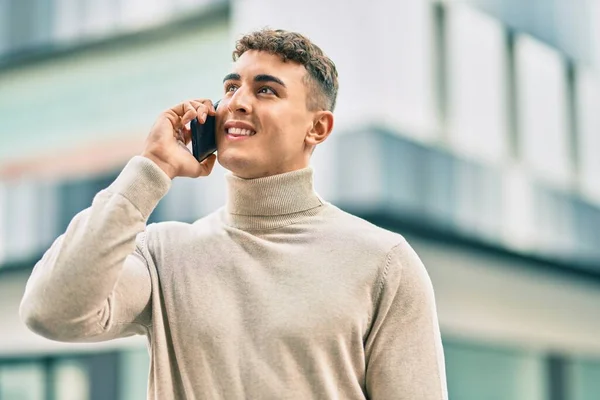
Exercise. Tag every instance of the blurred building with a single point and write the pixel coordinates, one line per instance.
(471, 127)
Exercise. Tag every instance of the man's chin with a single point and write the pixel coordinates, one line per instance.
(237, 164)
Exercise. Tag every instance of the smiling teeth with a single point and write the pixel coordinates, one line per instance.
(240, 132)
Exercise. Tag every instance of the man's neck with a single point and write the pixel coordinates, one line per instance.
(270, 197)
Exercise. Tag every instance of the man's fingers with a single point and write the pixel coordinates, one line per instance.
(188, 110)
(186, 134)
(189, 115)
(210, 108)
(178, 114)
(201, 113)
(181, 108)
(170, 136)
(205, 167)
(208, 164)
(193, 169)
(204, 108)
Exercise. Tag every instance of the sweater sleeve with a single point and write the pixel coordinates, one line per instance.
(404, 352)
(93, 283)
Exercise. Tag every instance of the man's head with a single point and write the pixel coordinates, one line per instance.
(282, 92)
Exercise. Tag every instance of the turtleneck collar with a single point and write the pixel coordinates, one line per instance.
(272, 201)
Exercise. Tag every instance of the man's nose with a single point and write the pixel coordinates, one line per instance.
(240, 102)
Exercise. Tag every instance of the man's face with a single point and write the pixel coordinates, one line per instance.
(263, 119)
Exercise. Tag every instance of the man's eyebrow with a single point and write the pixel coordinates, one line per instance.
(268, 78)
(258, 78)
(232, 77)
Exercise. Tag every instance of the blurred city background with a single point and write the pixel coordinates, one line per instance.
(471, 127)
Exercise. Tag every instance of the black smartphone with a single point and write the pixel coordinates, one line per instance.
(203, 137)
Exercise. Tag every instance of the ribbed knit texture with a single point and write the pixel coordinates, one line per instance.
(273, 201)
(277, 295)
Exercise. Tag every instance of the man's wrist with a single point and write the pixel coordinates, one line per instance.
(165, 167)
(143, 183)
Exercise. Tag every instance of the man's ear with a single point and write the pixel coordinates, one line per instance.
(321, 128)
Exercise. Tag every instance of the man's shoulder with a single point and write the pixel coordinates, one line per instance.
(359, 232)
(179, 231)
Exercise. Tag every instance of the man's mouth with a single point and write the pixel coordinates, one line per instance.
(240, 132)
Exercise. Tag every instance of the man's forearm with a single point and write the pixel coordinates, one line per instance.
(68, 293)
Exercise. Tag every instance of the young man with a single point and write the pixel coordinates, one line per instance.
(277, 295)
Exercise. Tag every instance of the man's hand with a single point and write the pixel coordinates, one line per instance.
(166, 144)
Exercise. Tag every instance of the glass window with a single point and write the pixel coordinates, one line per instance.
(403, 184)
(194, 4)
(478, 196)
(584, 379)
(20, 221)
(28, 23)
(567, 25)
(28, 210)
(404, 97)
(138, 14)
(543, 126)
(594, 13)
(67, 16)
(555, 222)
(71, 380)
(182, 202)
(100, 17)
(135, 365)
(518, 224)
(211, 191)
(47, 222)
(477, 199)
(477, 84)
(77, 194)
(368, 175)
(4, 211)
(477, 372)
(588, 122)
(24, 381)
(586, 222)
(438, 180)
(4, 36)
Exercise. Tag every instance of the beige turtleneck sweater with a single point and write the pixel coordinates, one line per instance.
(278, 295)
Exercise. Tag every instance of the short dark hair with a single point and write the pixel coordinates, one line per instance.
(322, 77)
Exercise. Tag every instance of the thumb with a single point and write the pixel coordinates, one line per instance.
(205, 167)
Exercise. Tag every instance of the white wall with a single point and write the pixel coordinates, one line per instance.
(477, 83)
(383, 51)
(542, 95)
(510, 302)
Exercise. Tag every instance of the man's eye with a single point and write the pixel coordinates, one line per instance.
(266, 90)
(230, 88)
